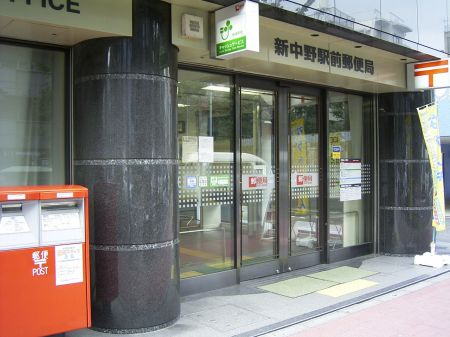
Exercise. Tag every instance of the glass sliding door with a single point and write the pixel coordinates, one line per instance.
(304, 172)
(205, 137)
(258, 167)
(271, 178)
(350, 141)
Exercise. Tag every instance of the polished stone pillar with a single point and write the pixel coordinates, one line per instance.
(405, 176)
(125, 152)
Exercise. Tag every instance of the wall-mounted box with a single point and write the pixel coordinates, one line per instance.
(192, 27)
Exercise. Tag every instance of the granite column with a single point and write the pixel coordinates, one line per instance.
(125, 152)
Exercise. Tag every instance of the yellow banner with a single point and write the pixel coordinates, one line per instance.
(430, 128)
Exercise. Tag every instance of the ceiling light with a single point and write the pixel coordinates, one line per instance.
(217, 88)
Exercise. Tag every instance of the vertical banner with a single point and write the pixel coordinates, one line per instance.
(430, 128)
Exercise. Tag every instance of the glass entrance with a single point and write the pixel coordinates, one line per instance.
(304, 170)
(350, 139)
(272, 178)
(259, 226)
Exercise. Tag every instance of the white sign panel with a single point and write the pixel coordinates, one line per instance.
(350, 171)
(350, 192)
(107, 16)
(206, 149)
(16, 197)
(69, 264)
(237, 29)
(427, 75)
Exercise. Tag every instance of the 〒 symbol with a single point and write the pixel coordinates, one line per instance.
(225, 31)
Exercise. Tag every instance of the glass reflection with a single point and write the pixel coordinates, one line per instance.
(32, 116)
(205, 133)
(415, 24)
(349, 171)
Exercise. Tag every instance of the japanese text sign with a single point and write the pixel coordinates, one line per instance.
(237, 29)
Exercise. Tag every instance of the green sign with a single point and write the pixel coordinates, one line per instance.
(227, 47)
(219, 181)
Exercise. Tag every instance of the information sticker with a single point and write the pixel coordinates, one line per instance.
(13, 225)
(60, 221)
(69, 264)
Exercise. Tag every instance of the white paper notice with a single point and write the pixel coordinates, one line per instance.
(350, 179)
(69, 264)
(60, 221)
(350, 192)
(13, 225)
(206, 149)
(189, 149)
(350, 171)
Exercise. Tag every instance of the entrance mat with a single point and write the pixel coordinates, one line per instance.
(347, 288)
(298, 286)
(191, 273)
(342, 274)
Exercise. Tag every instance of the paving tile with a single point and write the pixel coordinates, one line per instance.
(298, 286)
(347, 288)
(342, 274)
(227, 317)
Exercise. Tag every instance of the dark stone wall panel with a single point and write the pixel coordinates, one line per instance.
(405, 184)
(398, 136)
(149, 51)
(408, 232)
(135, 117)
(406, 187)
(122, 290)
(131, 204)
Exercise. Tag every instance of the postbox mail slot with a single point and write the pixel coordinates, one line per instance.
(19, 226)
(62, 221)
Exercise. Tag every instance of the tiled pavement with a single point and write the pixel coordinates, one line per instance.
(417, 311)
(247, 310)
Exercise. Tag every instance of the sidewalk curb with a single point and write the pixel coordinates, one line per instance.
(335, 307)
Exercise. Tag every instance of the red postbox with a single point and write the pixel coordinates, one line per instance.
(44, 260)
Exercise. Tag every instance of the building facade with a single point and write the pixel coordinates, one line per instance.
(206, 169)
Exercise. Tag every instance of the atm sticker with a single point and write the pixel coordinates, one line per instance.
(69, 264)
(203, 181)
(191, 182)
(255, 182)
(336, 154)
(307, 179)
(220, 181)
